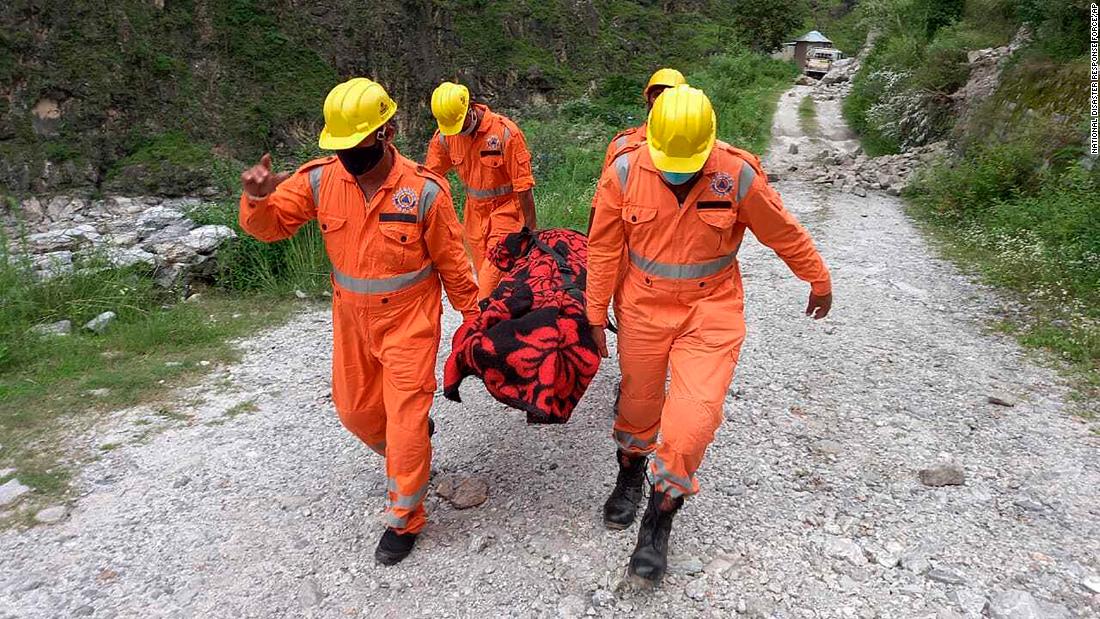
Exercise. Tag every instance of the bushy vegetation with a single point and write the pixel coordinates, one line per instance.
(1017, 201)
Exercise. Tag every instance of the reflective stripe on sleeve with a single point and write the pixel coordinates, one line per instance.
(622, 168)
(744, 181)
(427, 197)
(315, 184)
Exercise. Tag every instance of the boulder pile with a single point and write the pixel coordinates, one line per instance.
(56, 233)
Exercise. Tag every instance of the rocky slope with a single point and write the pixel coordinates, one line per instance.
(140, 97)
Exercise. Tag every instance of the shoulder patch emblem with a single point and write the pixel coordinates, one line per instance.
(405, 199)
(721, 184)
(493, 142)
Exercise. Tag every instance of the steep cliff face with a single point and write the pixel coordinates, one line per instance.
(149, 95)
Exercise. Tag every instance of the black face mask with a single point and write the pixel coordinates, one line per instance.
(359, 160)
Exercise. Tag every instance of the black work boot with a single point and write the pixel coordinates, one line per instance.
(431, 427)
(394, 546)
(650, 558)
(622, 505)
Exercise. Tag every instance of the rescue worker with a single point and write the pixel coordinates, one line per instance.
(490, 154)
(392, 235)
(679, 204)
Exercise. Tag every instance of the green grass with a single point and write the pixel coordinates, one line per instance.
(807, 115)
(1033, 230)
(568, 141)
(154, 344)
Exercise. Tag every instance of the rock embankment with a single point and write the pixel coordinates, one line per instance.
(57, 235)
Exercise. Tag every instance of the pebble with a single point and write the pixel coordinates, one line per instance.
(718, 566)
(1001, 399)
(1092, 583)
(696, 589)
(310, 593)
(478, 544)
(1016, 604)
(685, 564)
(972, 603)
(602, 598)
(945, 576)
(943, 474)
(888, 556)
(916, 560)
(846, 549)
(826, 446)
(51, 515)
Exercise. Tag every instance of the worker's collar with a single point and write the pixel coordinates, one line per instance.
(482, 117)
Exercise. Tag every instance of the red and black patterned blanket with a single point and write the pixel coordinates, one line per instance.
(531, 345)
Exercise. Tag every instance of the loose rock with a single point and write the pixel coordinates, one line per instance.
(1016, 604)
(846, 549)
(51, 515)
(1001, 399)
(100, 323)
(945, 576)
(11, 491)
(61, 327)
(945, 474)
(310, 593)
(463, 492)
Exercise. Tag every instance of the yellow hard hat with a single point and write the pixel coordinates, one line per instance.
(449, 104)
(353, 110)
(664, 77)
(681, 130)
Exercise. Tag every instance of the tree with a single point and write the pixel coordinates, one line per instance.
(765, 25)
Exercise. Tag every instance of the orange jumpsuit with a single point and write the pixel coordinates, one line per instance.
(389, 254)
(494, 165)
(680, 304)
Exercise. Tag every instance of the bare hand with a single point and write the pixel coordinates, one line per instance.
(600, 337)
(819, 306)
(259, 180)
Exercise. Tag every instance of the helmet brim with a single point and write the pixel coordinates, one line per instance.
(328, 141)
(449, 129)
(690, 164)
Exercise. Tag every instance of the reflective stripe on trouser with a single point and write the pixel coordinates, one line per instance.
(487, 223)
(383, 383)
(696, 333)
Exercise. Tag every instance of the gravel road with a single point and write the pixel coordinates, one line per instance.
(811, 504)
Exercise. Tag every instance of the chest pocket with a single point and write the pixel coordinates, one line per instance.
(402, 248)
(718, 214)
(637, 218)
(335, 232)
(493, 158)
